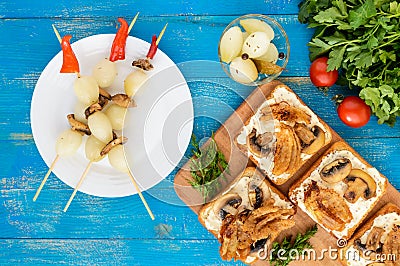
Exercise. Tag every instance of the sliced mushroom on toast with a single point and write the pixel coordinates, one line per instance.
(367, 179)
(257, 192)
(336, 171)
(355, 190)
(365, 252)
(306, 135)
(258, 144)
(247, 216)
(227, 204)
(317, 143)
(374, 238)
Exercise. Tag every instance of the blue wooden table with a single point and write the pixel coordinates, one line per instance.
(118, 231)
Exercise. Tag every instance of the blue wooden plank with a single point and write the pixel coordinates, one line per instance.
(37, 44)
(110, 252)
(16, 124)
(94, 217)
(114, 8)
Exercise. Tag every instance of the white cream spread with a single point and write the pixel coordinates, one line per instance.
(359, 208)
(267, 163)
(386, 221)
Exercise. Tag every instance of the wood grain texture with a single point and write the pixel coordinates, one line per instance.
(98, 231)
(108, 8)
(109, 252)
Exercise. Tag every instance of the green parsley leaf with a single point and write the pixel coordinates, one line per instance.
(335, 58)
(329, 15)
(361, 15)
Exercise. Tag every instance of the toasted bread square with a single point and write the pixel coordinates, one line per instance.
(237, 200)
(289, 132)
(339, 190)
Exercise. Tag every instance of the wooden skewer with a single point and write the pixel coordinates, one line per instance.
(133, 22)
(56, 32)
(161, 34)
(45, 177)
(141, 196)
(78, 185)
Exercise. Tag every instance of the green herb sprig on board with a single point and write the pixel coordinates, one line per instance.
(300, 243)
(362, 38)
(207, 168)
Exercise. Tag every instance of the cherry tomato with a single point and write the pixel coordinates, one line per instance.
(318, 74)
(354, 112)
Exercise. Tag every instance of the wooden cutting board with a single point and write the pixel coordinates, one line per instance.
(224, 138)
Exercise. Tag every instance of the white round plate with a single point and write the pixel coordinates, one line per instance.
(158, 129)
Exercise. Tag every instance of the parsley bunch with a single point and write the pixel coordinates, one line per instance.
(300, 244)
(362, 38)
(206, 166)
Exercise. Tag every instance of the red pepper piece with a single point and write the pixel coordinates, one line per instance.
(119, 43)
(153, 47)
(70, 63)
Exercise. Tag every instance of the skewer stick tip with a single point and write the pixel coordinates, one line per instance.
(78, 186)
(45, 177)
(141, 196)
(161, 34)
(56, 32)
(133, 22)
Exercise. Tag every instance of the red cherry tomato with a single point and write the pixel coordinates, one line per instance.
(318, 74)
(354, 112)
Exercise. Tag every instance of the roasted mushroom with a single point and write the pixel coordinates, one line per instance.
(356, 188)
(264, 139)
(253, 142)
(306, 135)
(336, 171)
(363, 251)
(260, 244)
(78, 126)
(123, 100)
(317, 143)
(266, 115)
(374, 238)
(367, 179)
(105, 94)
(258, 192)
(112, 144)
(227, 204)
(143, 64)
(93, 108)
